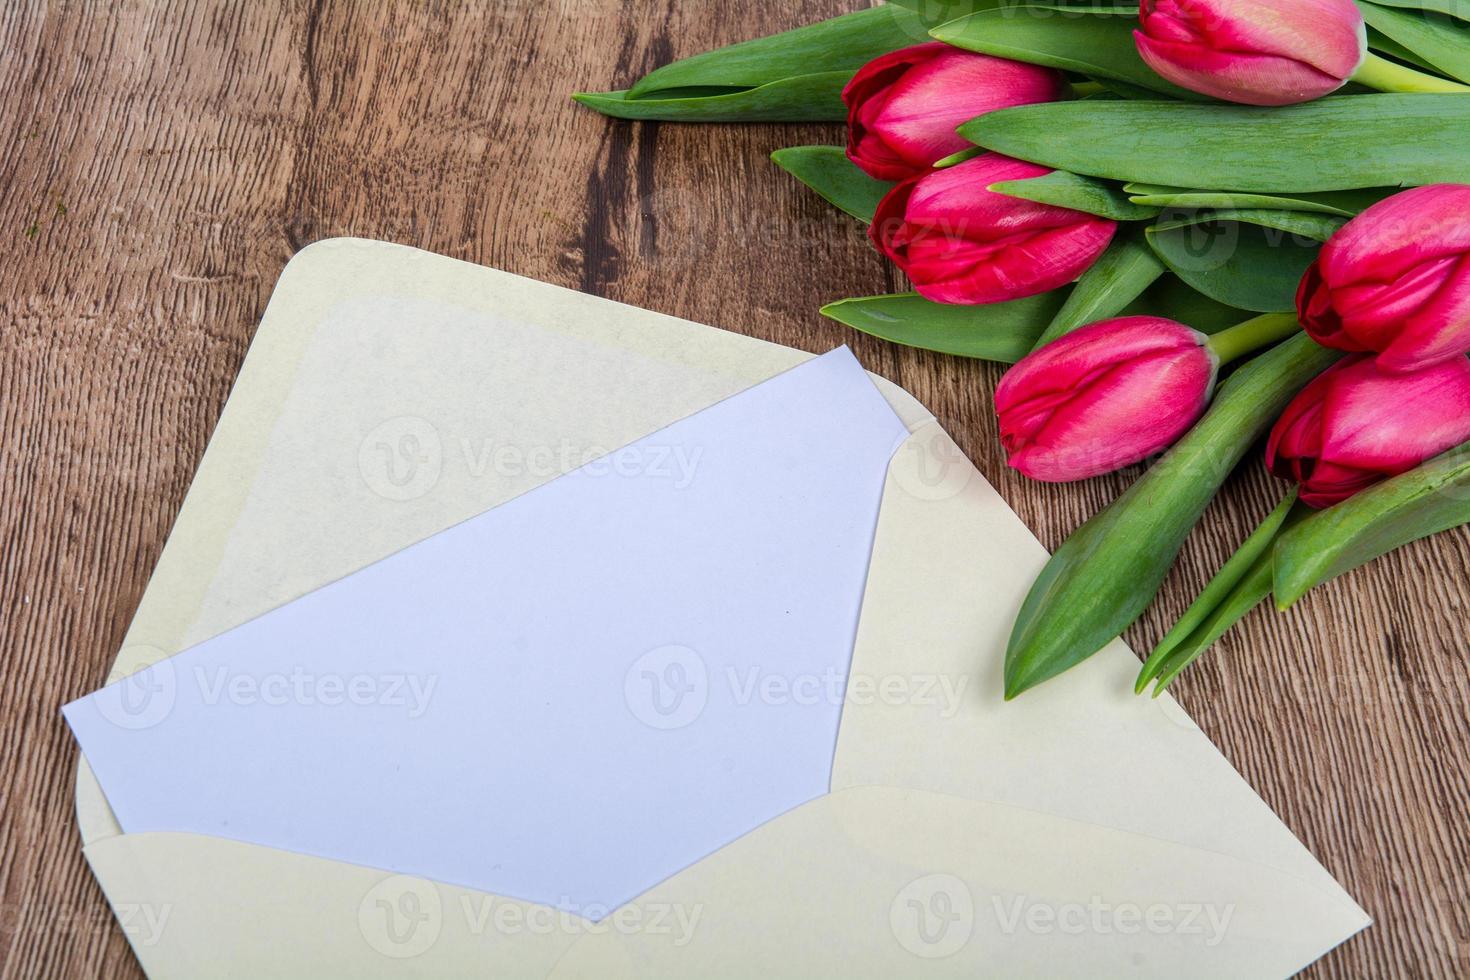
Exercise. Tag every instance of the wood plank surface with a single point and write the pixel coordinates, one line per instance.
(161, 161)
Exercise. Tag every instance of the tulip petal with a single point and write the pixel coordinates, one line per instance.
(947, 197)
(962, 243)
(1439, 330)
(1103, 397)
(1326, 35)
(1252, 79)
(1358, 424)
(973, 273)
(1396, 279)
(1135, 409)
(904, 106)
(1400, 233)
(924, 107)
(1391, 422)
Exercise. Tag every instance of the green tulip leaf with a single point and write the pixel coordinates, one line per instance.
(1241, 264)
(841, 44)
(1424, 501)
(1249, 591)
(828, 171)
(1003, 332)
(943, 11)
(1439, 40)
(1123, 90)
(1116, 279)
(1336, 143)
(1452, 8)
(1383, 44)
(1099, 47)
(1341, 203)
(1311, 226)
(1172, 297)
(1108, 571)
(1240, 585)
(804, 98)
(937, 12)
(1068, 190)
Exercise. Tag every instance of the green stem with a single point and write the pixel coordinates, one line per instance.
(1390, 76)
(1081, 90)
(1253, 334)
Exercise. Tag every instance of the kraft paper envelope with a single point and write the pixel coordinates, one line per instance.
(390, 394)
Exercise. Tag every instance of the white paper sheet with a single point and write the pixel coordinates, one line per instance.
(565, 699)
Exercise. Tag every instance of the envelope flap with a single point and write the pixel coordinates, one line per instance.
(882, 882)
(867, 882)
(194, 906)
(390, 393)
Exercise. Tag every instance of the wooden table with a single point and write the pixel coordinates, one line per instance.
(162, 161)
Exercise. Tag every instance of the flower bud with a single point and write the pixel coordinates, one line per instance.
(1104, 396)
(903, 107)
(961, 243)
(1260, 52)
(1357, 424)
(1396, 280)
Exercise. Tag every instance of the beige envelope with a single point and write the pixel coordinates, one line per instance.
(1078, 831)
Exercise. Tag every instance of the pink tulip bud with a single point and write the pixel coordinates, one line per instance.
(1396, 280)
(903, 107)
(1260, 52)
(1357, 424)
(1104, 396)
(961, 243)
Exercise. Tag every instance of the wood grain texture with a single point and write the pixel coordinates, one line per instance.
(160, 163)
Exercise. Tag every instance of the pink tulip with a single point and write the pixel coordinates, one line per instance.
(961, 243)
(1104, 396)
(1357, 424)
(903, 107)
(1396, 280)
(1260, 52)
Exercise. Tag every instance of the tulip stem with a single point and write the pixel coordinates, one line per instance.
(1081, 90)
(1390, 76)
(1253, 334)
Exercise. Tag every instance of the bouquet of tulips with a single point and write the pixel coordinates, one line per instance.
(1125, 201)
